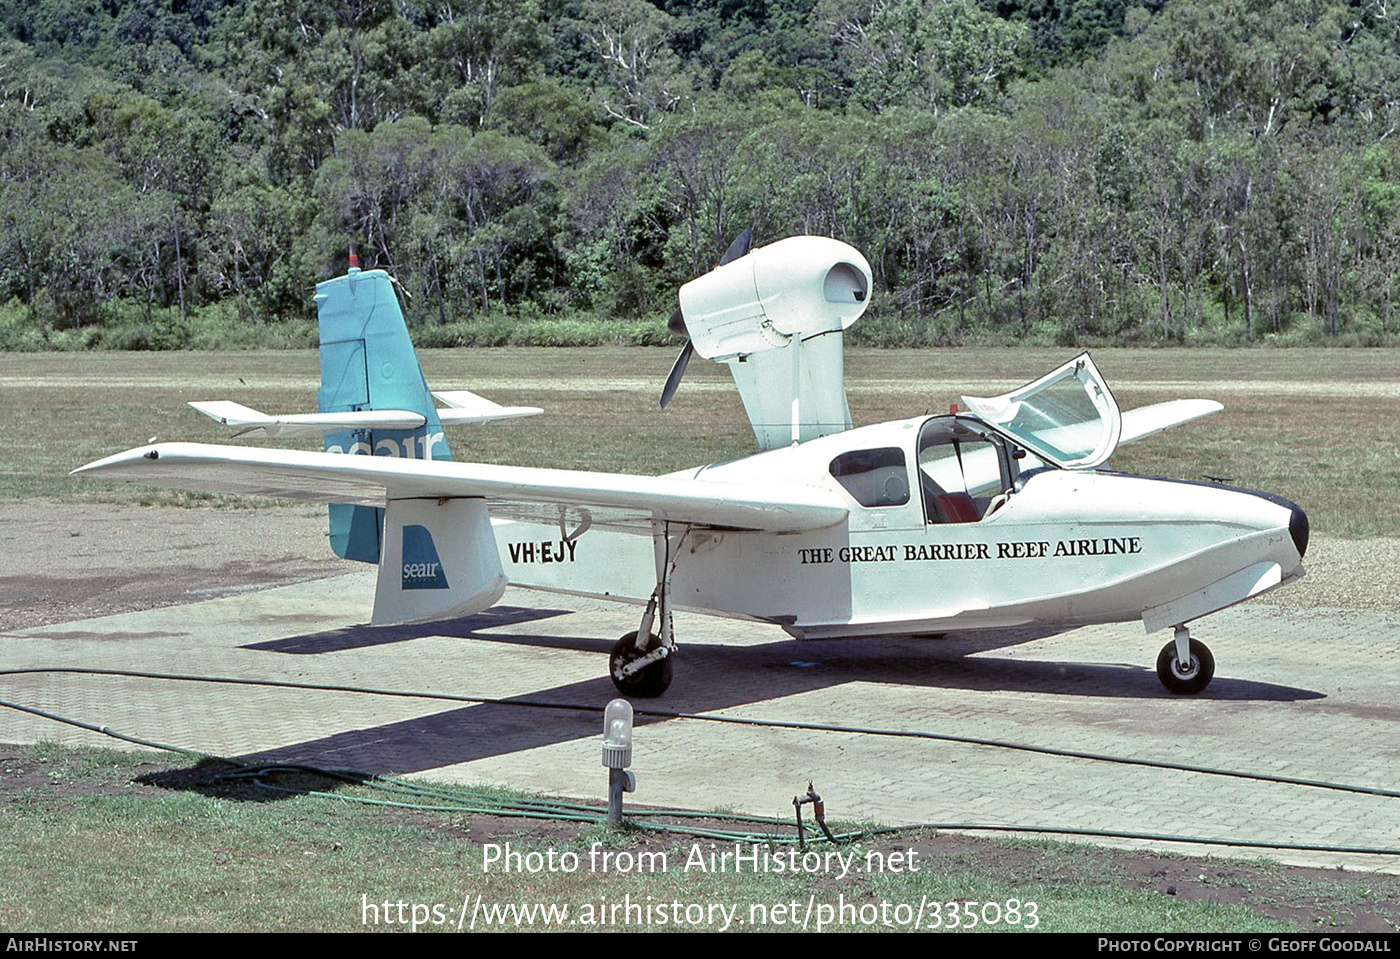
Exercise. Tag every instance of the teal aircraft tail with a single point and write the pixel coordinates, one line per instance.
(433, 562)
(368, 363)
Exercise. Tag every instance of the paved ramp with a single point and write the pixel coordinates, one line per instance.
(1308, 694)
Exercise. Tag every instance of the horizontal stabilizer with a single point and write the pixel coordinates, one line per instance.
(465, 407)
(250, 422)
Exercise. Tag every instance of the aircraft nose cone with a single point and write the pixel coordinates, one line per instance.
(1298, 528)
(1297, 520)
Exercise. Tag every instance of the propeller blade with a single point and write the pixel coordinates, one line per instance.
(676, 324)
(740, 247)
(677, 371)
(742, 244)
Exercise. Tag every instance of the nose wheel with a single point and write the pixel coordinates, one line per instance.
(1185, 666)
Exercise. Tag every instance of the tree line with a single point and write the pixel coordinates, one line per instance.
(179, 172)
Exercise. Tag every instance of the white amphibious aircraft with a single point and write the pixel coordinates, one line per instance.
(995, 517)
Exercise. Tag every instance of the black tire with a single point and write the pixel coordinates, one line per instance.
(651, 681)
(1190, 681)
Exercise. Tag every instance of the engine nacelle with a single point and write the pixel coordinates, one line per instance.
(796, 288)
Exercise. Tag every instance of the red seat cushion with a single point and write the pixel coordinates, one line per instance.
(957, 508)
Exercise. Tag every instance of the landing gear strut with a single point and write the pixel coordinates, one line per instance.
(640, 664)
(1185, 665)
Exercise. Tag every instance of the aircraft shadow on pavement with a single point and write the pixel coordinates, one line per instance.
(363, 637)
(712, 678)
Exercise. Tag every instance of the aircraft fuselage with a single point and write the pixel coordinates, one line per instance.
(1062, 546)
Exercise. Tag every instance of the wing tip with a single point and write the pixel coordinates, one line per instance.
(126, 457)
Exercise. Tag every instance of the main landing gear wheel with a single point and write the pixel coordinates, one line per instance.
(648, 682)
(1190, 679)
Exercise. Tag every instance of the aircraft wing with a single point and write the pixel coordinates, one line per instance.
(373, 480)
(1147, 420)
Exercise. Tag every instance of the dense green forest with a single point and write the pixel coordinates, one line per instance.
(178, 173)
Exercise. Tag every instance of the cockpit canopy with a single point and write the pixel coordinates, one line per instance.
(1068, 417)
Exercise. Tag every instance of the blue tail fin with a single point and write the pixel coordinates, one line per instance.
(368, 363)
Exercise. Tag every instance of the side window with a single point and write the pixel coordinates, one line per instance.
(874, 477)
(961, 471)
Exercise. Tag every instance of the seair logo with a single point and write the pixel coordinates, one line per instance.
(421, 567)
(417, 446)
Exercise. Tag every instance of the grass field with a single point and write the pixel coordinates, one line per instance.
(120, 841)
(104, 840)
(1316, 426)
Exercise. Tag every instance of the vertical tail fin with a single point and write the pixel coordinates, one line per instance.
(368, 363)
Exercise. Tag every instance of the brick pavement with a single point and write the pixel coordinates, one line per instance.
(1304, 693)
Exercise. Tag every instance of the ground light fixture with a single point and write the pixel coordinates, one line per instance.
(617, 755)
